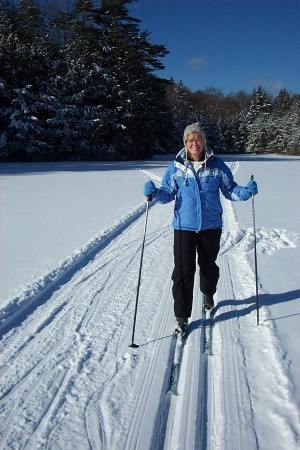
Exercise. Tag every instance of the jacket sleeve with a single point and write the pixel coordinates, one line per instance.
(230, 188)
(167, 191)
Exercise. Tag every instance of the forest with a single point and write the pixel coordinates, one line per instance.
(81, 83)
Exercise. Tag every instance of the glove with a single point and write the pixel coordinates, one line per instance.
(149, 189)
(252, 187)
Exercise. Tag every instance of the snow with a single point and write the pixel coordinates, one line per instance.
(71, 236)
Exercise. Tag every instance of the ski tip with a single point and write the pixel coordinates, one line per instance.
(173, 392)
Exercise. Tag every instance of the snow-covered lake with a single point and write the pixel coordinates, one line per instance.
(71, 236)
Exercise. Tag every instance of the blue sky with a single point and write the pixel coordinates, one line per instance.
(231, 45)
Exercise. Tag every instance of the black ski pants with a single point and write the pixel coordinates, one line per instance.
(187, 245)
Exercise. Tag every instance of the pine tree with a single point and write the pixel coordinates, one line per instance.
(285, 137)
(106, 80)
(294, 121)
(260, 104)
(282, 102)
(129, 62)
(258, 121)
(25, 51)
(31, 21)
(181, 110)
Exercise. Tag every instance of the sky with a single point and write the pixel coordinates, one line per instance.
(231, 45)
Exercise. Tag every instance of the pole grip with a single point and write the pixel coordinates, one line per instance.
(149, 198)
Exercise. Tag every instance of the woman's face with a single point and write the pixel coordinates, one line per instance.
(195, 146)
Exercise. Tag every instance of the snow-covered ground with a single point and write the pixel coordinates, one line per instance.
(71, 236)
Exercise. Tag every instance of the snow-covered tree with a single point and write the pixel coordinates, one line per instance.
(31, 21)
(96, 94)
(257, 120)
(84, 85)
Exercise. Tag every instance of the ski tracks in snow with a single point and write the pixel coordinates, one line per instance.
(246, 408)
(68, 376)
(70, 380)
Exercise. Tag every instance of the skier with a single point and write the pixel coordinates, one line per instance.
(194, 180)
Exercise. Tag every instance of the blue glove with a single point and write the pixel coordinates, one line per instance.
(149, 189)
(252, 187)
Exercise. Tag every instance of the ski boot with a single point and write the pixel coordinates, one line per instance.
(208, 302)
(181, 323)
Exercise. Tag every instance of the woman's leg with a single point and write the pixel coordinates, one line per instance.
(208, 247)
(184, 272)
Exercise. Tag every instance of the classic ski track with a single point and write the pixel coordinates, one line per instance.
(270, 356)
(228, 421)
(186, 426)
(230, 368)
(226, 371)
(153, 381)
(41, 290)
(68, 332)
(55, 319)
(190, 418)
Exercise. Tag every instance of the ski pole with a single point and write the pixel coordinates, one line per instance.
(133, 345)
(255, 258)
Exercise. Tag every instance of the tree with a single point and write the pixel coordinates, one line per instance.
(25, 51)
(285, 126)
(31, 21)
(182, 111)
(282, 103)
(257, 120)
(106, 74)
(84, 85)
(260, 105)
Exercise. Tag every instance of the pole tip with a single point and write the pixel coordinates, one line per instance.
(132, 345)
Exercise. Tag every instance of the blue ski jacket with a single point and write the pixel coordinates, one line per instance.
(197, 193)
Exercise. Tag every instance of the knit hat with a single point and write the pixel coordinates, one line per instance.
(194, 128)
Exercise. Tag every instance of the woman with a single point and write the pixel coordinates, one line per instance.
(194, 180)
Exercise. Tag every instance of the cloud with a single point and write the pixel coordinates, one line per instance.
(197, 62)
(271, 86)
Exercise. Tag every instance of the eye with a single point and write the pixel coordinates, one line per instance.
(190, 141)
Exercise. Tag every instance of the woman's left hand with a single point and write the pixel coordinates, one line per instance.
(252, 187)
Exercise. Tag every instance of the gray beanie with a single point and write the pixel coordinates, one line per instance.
(194, 128)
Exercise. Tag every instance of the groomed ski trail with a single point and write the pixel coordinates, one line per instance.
(67, 370)
(65, 367)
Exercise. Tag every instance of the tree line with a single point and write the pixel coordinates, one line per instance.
(81, 83)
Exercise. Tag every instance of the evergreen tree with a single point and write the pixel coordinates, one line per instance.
(25, 53)
(294, 126)
(4, 119)
(257, 120)
(84, 86)
(129, 62)
(260, 105)
(31, 21)
(106, 73)
(282, 102)
(181, 110)
(285, 127)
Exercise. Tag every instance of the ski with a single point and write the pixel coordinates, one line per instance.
(208, 319)
(174, 377)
